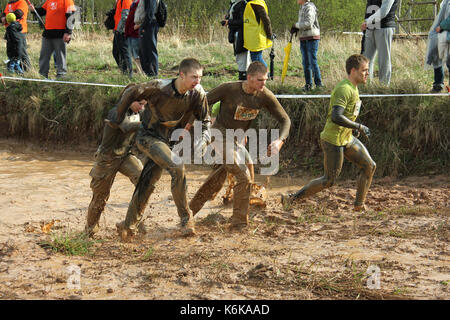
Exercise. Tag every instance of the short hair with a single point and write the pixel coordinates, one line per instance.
(257, 67)
(354, 61)
(189, 64)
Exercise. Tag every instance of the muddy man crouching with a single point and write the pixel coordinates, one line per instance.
(112, 156)
(337, 140)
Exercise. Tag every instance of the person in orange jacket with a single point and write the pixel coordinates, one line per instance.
(20, 10)
(120, 44)
(57, 34)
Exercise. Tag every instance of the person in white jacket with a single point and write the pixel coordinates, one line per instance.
(308, 30)
(438, 47)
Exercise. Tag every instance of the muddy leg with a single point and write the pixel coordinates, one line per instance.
(333, 160)
(241, 193)
(101, 183)
(357, 153)
(131, 167)
(144, 188)
(209, 189)
(103, 174)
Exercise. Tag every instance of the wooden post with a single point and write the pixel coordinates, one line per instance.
(83, 8)
(409, 17)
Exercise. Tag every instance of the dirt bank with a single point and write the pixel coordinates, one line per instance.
(319, 249)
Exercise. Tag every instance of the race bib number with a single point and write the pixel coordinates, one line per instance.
(357, 108)
(245, 114)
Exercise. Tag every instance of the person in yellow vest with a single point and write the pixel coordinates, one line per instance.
(257, 29)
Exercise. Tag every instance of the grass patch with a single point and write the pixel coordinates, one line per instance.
(415, 211)
(398, 234)
(409, 134)
(70, 243)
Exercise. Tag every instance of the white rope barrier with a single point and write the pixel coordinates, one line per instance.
(279, 96)
(65, 82)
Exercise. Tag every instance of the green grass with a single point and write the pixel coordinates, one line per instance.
(409, 135)
(70, 243)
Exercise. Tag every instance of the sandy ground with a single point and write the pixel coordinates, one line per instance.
(318, 249)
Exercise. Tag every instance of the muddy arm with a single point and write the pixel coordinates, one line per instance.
(135, 93)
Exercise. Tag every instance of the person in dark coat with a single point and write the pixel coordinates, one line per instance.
(14, 43)
(235, 22)
(145, 18)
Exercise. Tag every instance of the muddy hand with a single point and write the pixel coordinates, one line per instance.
(274, 147)
(364, 131)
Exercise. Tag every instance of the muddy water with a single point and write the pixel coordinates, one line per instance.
(321, 237)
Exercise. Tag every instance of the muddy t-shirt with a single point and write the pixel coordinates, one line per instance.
(345, 95)
(167, 110)
(116, 143)
(239, 108)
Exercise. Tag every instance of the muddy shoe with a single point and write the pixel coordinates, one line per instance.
(286, 201)
(141, 229)
(188, 226)
(360, 208)
(91, 230)
(238, 227)
(125, 233)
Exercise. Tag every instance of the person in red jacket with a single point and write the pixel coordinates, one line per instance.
(132, 36)
(20, 9)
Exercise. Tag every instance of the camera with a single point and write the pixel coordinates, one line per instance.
(223, 22)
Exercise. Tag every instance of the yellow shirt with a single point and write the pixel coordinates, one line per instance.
(345, 95)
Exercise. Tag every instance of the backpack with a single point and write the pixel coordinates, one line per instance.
(161, 13)
(109, 22)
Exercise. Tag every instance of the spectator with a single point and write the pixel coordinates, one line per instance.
(13, 43)
(20, 9)
(120, 45)
(57, 34)
(132, 36)
(148, 35)
(235, 22)
(379, 27)
(257, 29)
(434, 57)
(309, 34)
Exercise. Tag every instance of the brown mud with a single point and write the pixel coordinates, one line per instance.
(318, 249)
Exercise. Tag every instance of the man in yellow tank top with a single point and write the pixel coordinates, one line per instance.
(257, 29)
(337, 140)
